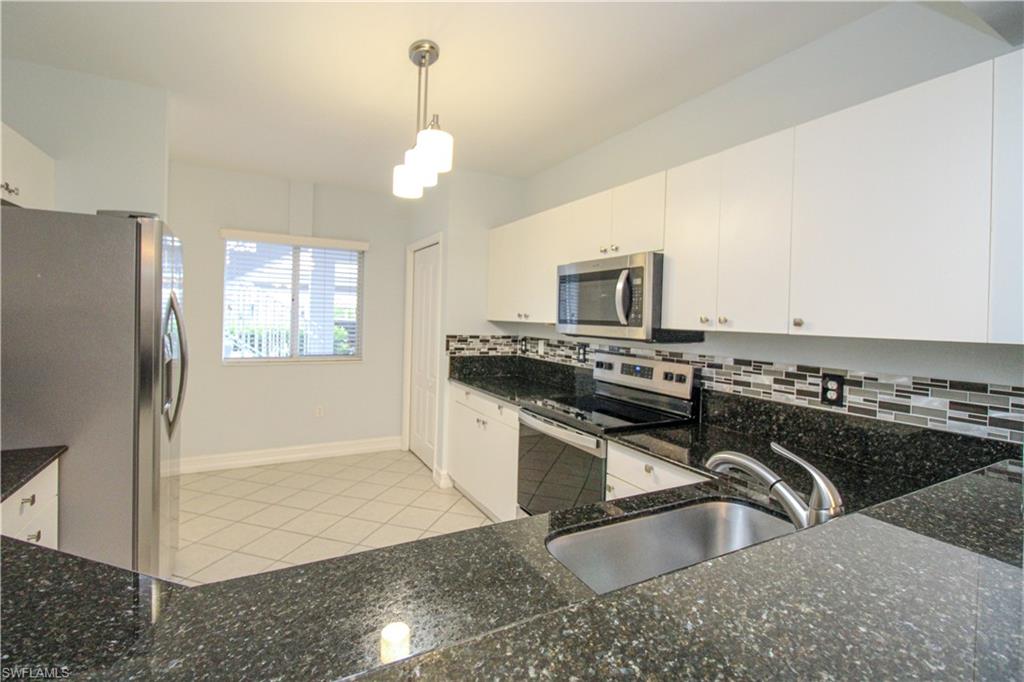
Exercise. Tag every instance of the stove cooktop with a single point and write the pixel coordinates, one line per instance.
(599, 415)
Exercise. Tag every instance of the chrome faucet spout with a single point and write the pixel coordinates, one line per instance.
(825, 502)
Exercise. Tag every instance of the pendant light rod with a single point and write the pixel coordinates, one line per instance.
(423, 53)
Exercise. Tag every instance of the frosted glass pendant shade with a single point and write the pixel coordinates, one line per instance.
(436, 147)
(425, 175)
(404, 184)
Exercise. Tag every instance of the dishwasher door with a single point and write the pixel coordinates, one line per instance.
(559, 467)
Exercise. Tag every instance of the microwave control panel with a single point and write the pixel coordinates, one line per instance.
(648, 374)
(636, 306)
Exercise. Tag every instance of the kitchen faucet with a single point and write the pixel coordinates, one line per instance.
(825, 503)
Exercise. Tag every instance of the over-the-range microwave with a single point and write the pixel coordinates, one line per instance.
(618, 298)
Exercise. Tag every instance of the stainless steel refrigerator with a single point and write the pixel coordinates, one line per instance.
(94, 357)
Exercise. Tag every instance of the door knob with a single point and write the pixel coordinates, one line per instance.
(798, 321)
(704, 319)
(722, 319)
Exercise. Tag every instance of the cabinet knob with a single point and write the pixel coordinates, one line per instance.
(615, 247)
(35, 537)
(704, 319)
(604, 249)
(798, 321)
(648, 469)
(10, 189)
(30, 500)
(519, 315)
(722, 319)
(609, 488)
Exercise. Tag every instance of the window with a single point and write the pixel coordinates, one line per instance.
(291, 297)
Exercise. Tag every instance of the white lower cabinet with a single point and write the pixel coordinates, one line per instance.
(631, 472)
(483, 448)
(30, 513)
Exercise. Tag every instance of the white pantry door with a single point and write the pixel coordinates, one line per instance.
(425, 332)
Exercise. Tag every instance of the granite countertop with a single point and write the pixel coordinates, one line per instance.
(856, 598)
(19, 466)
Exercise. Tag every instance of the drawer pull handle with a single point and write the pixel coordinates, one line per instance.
(35, 537)
(648, 469)
(30, 500)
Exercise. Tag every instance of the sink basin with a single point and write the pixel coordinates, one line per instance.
(627, 552)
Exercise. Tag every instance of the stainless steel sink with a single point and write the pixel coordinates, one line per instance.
(627, 552)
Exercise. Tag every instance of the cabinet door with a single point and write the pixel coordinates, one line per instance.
(891, 214)
(29, 174)
(461, 432)
(638, 215)
(538, 269)
(1006, 301)
(482, 456)
(588, 231)
(692, 202)
(754, 232)
(506, 253)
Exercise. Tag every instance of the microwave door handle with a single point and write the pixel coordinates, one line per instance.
(621, 292)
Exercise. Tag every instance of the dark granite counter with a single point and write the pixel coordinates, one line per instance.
(18, 467)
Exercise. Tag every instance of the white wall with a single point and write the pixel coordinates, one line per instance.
(232, 408)
(895, 47)
(109, 138)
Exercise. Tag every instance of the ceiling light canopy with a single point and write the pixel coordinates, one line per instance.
(433, 150)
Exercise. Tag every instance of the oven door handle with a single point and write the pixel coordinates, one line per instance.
(622, 290)
(564, 434)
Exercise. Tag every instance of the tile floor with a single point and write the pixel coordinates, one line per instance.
(241, 521)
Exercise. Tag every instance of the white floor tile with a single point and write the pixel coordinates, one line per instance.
(353, 473)
(236, 510)
(350, 530)
(398, 495)
(385, 477)
(311, 523)
(333, 486)
(434, 500)
(234, 565)
(275, 544)
(375, 510)
(391, 535)
(241, 488)
(236, 536)
(464, 506)
(416, 482)
(340, 505)
(200, 527)
(415, 517)
(271, 494)
(317, 549)
(407, 467)
(295, 467)
(205, 503)
(273, 516)
(365, 490)
(300, 481)
(209, 484)
(305, 499)
(239, 474)
(269, 476)
(196, 557)
(449, 523)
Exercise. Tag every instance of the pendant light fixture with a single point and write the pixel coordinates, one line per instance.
(433, 150)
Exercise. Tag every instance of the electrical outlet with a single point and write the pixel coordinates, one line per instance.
(318, 411)
(581, 353)
(832, 389)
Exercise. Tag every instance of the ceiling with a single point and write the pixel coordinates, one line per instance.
(326, 92)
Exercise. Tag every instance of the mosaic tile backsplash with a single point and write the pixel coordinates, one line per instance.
(971, 408)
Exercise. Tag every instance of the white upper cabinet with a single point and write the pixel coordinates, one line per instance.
(690, 289)
(891, 215)
(522, 276)
(29, 175)
(638, 216)
(754, 235)
(586, 230)
(1006, 297)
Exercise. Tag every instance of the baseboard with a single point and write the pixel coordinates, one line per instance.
(296, 453)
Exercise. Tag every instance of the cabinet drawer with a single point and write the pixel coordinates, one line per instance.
(615, 488)
(490, 408)
(41, 528)
(645, 472)
(27, 501)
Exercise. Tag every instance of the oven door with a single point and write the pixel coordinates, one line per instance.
(608, 297)
(559, 467)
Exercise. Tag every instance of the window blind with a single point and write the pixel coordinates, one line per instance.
(291, 301)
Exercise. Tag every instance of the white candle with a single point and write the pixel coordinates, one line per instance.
(394, 642)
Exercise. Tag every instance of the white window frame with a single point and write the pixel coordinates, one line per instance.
(295, 241)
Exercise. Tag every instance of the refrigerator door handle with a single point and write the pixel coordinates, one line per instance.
(173, 414)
